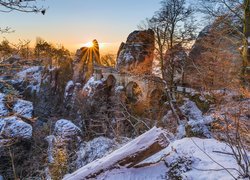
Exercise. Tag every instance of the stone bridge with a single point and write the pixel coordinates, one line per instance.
(137, 87)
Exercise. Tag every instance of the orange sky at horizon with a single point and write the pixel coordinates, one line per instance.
(105, 47)
(74, 23)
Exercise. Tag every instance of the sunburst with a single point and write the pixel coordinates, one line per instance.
(91, 56)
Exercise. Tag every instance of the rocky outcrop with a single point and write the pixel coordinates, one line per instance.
(13, 130)
(66, 130)
(95, 149)
(214, 50)
(84, 61)
(65, 138)
(137, 54)
(23, 108)
(13, 125)
(198, 124)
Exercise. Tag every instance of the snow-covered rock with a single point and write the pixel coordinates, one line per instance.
(13, 128)
(34, 77)
(3, 110)
(23, 108)
(91, 86)
(69, 89)
(119, 88)
(197, 122)
(95, 149)
(51, 143)
(65, 129)
(201, 154)
(137, 54)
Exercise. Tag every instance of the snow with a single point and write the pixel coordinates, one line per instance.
(128, 57)
(65, 129)
(3, 109)
(185, 89)
(95, 149)
(14, 128)
(203, 167)
(188, 158)
(119, 88)
(69, 85)
(196, 120)
(34, 75)
(154, 172)
(140, 143)
(51, 140)
(23, 108)
(91, 85)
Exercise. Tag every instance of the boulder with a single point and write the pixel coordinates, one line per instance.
(66, 130)
(14, 129)
(137, 54)
(23, 108)
(95, 149)
(198, 124)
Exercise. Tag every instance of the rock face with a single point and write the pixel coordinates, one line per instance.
(137, 54)
(203, 68)
(84, 61)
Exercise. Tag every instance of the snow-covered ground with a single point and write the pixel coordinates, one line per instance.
(188, 158)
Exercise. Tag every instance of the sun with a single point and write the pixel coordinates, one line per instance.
(88, 44)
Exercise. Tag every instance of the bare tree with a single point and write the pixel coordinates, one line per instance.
(26, 6)
(108, 60)
(173, 25)
(21, 6)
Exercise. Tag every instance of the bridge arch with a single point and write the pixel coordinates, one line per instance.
(133, 92)
(157, 97)
(111, 80)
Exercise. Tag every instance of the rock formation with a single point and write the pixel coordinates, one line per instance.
(213, 50)
(177, 57)
(13, 127)
(137, 54)
(84, 61)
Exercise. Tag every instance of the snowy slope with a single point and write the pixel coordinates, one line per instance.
(188, 158)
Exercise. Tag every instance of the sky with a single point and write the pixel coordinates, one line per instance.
(73, 23)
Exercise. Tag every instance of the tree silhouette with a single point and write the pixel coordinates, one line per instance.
(26, 6)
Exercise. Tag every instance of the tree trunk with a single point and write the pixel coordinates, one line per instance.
(128, 156)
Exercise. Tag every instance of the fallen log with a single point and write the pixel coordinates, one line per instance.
(128, 156)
